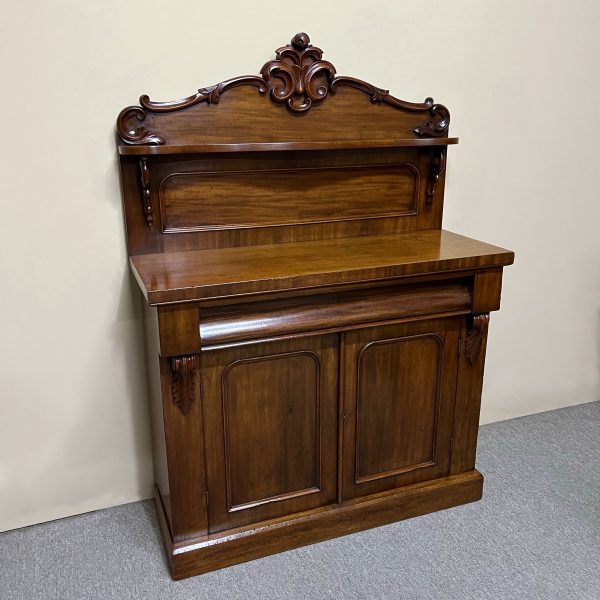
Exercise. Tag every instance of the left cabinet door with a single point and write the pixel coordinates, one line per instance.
(270, 428)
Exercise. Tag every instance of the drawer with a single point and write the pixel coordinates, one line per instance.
(330, 312)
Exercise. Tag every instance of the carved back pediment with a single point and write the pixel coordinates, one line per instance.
(281, 104)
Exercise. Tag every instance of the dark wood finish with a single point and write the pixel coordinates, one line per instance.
(399, 386)
(486, 290)
(261, 121)
(275, 536)
(315, 340)
(178, 329)
(243, 199)
(282, 197)
(297, 78)
(225, 147)
(468, 399)
(339, 311)
(191, 276)
(271, 429)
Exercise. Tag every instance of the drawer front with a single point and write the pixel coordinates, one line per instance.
(332, 311)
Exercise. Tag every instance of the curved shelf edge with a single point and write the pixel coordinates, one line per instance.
(148, 150)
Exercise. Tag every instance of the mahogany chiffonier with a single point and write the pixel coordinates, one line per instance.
(315, 340)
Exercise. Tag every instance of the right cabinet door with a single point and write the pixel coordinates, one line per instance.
(398, 390)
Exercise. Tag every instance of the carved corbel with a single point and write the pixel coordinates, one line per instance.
(475, 336)
(438, 166)
(146, 199)
(183, 382)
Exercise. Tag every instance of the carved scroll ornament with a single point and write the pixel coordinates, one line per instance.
(299, 67)
(297, 77)
(183, 382)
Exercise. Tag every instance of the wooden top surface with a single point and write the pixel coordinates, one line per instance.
(204, 274)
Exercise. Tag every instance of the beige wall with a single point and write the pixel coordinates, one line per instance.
(520, 78)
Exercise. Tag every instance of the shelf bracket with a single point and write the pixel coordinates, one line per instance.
(438, 166)
(146, 199)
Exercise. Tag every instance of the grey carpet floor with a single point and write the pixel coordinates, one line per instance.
(535, 535)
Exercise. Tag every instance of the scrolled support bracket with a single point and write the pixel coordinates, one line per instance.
(438, 166)
(146, 195)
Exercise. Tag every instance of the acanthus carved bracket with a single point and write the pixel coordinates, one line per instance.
(183, 382)
(298, 77)
(475, 336)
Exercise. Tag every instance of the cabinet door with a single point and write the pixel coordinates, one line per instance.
(270, 426)
(399, 383)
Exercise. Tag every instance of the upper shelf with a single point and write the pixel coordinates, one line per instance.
(148, 150)
(205, 274)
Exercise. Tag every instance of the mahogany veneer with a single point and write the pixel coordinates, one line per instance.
(315, 340)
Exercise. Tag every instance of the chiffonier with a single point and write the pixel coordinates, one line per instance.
(315, 341)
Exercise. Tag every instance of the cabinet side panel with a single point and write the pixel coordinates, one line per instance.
(159, 451)
(184, 436)
(468, 393)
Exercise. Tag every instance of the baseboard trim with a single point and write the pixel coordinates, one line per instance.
(194, 557)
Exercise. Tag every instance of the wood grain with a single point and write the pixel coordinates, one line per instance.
(299, 80)
(342, 310)
(271, 433)
(398, 404)
(202, 201)
(185, 276)
(311, 145)
(315, 340)
(468, 403)
(316, 526)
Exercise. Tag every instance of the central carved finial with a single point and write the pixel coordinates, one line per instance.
(300, 41)
(298, 76)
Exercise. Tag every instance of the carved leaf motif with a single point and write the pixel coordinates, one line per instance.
(298, 67)
(131, 130)
(438, 124)
(210, 95)
(475, 335)
(183, 382)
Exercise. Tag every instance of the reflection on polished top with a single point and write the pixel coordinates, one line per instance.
(201, 274)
